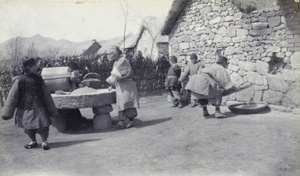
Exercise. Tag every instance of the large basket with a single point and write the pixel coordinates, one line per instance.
(57, 78)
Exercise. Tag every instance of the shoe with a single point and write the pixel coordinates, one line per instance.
(31, 145)
(193, 104)
(121, 124)
(45, 146)
(130, 124)
(219, 115)
(180, 105)
(205, 113)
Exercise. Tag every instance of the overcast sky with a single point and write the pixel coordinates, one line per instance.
(74, 20)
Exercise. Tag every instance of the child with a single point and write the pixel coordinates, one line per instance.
(33, 103)
(190, 70)
(172, 84)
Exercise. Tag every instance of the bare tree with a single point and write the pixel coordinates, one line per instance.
(14, 51)
(125, 14)
(152, 26)
(32, 52)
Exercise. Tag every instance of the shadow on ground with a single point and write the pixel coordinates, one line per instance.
(69, 143)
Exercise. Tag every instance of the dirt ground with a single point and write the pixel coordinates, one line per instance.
(165, 141)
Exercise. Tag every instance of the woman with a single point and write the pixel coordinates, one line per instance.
(127, 95)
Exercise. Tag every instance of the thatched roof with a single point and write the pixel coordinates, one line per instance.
(174, 13)
(132, 41)
(79, 48)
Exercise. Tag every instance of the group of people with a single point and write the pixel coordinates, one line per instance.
(204, 84)
(30, 101)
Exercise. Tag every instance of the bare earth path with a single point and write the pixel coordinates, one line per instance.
(165, 141)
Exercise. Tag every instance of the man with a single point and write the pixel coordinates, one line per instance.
(127, 95)
(210, 85)
(190, 70)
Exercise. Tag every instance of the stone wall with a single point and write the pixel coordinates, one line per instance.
(263, 47)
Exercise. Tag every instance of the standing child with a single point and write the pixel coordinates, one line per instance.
(172, 83)
(33, 103)
(190, 70)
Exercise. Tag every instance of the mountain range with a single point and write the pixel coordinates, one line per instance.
(49, 47)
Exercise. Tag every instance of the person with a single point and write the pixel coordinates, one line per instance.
(210, 85)
(29, 100)
(190, 70)
(172, 83)
(126, 91)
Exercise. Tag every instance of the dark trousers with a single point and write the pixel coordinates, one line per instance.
(43, 132)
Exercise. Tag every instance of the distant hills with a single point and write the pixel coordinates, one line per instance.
(50, 48)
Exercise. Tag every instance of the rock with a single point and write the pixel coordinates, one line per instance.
(274, 21)
(258, 88)
(266, 31)
(236, 79)
(247, 66)
(185, 45)
(215, 20)
(245, 95)
(277, 84)
(231, 31)
(262, 67)
(218, 38)
(292, 98)
(288, 75)
(229, 50)
(262, 19)
(272, 97)
(257, 96)
(105, 109)
(295, 61)
(102, 122)
(233, 67)
(222, 31)
(259, 25)
(255, 78)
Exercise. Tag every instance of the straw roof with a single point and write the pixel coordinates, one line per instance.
(174, 13)
(80, 48)
(133, 40)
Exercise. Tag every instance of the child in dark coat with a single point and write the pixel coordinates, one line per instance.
(172, 83)
(30, 101)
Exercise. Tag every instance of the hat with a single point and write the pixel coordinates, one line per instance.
(29, 62)
(173, 59)
(193, 56)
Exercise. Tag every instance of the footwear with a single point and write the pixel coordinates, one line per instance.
(218, 113)
(180, 105)
(130, 124)
(121, 124)
(193, 104)
(31, 145)
(175, 102)
(205, 112)
(45, 146)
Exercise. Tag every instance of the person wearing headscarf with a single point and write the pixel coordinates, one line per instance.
(126, 91)
(30, 101)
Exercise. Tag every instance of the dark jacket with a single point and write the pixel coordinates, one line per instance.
(172, 77)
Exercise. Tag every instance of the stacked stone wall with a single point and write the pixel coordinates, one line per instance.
(263, 47)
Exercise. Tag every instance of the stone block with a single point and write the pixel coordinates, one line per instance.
(222, 31)
(259, 88)
(262, 19)
(102, 109)
(257, 96)
(241, 33)
(274, 21)
(292, 98)
(184, 38)
(229, 18)
(288, 75)
(214, 20)
(249, 66)
(255, 78)
(277, 84)
(205, 11)
(218, 38)
(238, 16)
(295, 60)
(234, 61)
(229, 50)
(102, 122)
(262, 67)
(233, 67)
(184, 45)
(231, 32)
(266, 31)
(272, 97)
(242, 72)
(245, 95)
(236, 79)
(259, 25)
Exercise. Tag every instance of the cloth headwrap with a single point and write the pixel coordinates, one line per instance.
(29, 62)
(173, 59)
(222, 59)
(193, 56)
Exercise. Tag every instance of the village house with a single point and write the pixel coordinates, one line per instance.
(262, 43)
(86, 49)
